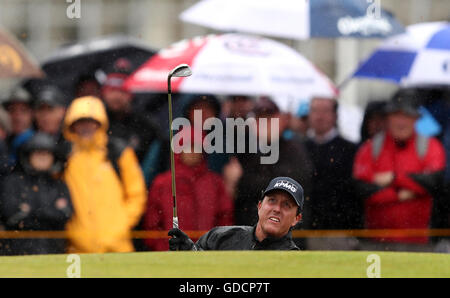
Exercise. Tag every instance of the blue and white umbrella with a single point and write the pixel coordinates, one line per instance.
(418, 57)
(296, 19)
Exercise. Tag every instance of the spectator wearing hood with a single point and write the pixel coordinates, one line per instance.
(108, 190)
(202, 200)
(32, 200)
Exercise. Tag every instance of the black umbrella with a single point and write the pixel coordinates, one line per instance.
(72, 62)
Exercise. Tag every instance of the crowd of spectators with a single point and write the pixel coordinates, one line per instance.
(97, 166)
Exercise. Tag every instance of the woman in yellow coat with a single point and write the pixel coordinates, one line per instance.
(107, 204)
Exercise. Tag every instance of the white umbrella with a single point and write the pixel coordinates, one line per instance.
(232, 64)
(295, 19)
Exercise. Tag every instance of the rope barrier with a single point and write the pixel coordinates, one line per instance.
(373, 233)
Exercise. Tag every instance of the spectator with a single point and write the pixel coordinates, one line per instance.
(298, 123)
(104, 179)
(87, 85)
(437, 102)
(293, 161)
(398, 173)
(134, 127)
(31, 200)
(210, 107)
(234, 107)
(238, 106)
(49, 110)
(374, 120)
(5, 130)
(202, 201)
(333, 204)
(18, 106)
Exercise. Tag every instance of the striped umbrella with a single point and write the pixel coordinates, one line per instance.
(418, 57)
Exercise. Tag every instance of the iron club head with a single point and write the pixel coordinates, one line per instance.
(182, 70)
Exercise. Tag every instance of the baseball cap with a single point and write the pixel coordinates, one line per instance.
(115, 80)
(18, 94)
(40, 141)
(404, 107)
(405, 101)
(50, 95)
(289, 185)
(117, 73)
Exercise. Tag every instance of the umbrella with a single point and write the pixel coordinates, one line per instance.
(69, 63)
(427, 125)
(295, 19)
(15, 61)
(419, 57)
(231, 64)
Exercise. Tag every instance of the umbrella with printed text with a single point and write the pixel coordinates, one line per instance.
(230, 64)
(296, 19)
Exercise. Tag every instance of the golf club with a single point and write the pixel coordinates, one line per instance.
(182, 70)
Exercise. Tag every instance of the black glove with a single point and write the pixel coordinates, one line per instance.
(180, 240)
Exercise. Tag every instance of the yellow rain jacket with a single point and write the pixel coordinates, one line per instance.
(106, 207)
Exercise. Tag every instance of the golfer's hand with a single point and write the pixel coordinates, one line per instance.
(179, 240)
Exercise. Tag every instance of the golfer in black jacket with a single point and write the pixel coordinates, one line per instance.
(279, 210)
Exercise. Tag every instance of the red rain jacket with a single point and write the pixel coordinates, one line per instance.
(202, 202)
(383, 209)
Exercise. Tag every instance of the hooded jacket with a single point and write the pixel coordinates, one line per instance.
(41, 193)
(106, 206)
(202, 201)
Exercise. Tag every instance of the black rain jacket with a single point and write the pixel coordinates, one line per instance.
(241, 238)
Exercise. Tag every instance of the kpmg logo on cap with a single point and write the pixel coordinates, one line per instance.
(285, 184)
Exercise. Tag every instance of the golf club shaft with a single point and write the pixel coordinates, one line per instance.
(172, 160)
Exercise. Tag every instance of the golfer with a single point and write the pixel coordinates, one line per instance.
(279, 210)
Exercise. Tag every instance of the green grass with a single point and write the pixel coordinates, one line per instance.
(249, 264)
